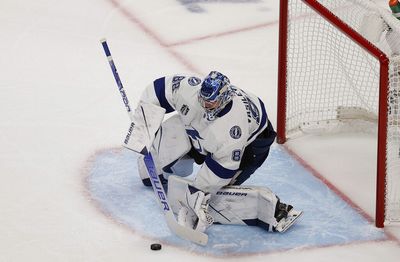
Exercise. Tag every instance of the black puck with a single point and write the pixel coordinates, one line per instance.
(155, 246)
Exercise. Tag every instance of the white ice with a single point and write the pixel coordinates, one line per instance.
(59, 107)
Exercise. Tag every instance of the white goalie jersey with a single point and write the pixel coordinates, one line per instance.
(222, 139)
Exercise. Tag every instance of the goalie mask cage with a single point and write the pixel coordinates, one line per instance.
(331, 76)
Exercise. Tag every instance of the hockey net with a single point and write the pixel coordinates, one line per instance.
(331, 77)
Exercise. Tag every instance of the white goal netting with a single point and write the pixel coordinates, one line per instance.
(332, 82)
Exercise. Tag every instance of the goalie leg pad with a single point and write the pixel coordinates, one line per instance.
(237, 205)
(171, 142)
(169, 148)
(250, 205)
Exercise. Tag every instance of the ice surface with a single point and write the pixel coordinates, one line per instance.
(60, 110)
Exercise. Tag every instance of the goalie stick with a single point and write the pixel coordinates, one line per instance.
(181, 231)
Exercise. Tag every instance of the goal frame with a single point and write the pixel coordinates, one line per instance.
(383, 91)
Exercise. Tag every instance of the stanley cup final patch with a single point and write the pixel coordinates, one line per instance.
(235, 132)
(194, 81)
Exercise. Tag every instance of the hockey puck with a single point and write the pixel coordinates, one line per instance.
(155, 246)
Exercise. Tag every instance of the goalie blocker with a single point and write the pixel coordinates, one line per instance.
(146, 120)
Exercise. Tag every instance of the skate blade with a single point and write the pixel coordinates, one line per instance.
(289, 221)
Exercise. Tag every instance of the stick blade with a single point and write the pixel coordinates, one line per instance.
(189, 234)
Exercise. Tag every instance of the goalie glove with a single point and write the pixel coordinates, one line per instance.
(194, 211)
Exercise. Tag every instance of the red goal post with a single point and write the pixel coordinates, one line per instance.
(321, 43)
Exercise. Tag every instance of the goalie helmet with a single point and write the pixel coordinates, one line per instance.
(215, 93)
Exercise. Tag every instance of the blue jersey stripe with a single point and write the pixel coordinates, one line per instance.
(264, 119)
(226, 109)
(219, 170)
(159, 88)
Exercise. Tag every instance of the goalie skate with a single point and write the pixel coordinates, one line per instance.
(285, 223)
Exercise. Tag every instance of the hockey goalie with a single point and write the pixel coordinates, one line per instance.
(223, 129)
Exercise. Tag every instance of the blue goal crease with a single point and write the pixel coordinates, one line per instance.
(113, 182)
